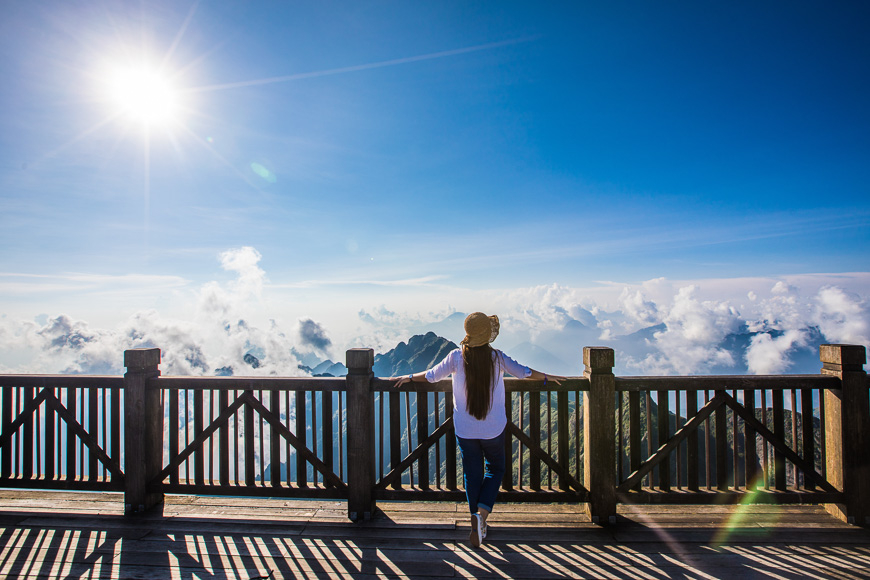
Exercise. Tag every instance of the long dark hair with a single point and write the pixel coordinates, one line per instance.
(479, 371)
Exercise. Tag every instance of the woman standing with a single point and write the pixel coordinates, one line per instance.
(479, 411)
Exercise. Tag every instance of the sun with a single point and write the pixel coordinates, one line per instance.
(143, 94)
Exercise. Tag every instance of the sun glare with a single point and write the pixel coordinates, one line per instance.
(144, 95)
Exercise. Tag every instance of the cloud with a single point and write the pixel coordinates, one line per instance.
(768, 355)
(216, 334)
(314, 335)
(658, 326)
(691, 341)
(636, 306)
(244, 261)
(842, 317)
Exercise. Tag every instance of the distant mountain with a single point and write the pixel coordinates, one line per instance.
(451, 327)
(422, 352)
(329, 369)
(541, 359)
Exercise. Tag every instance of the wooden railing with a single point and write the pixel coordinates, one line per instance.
(731, 435)
(543, 442)
(594, 440)
(61, 432)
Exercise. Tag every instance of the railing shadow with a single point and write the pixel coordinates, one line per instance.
(218, 545)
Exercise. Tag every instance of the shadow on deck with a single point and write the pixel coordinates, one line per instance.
(62, 535)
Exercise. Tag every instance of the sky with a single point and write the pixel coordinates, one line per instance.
(225, 177)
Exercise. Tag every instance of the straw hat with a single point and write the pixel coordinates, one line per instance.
(480, 329)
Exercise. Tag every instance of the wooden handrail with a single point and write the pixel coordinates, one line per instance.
(48, 423)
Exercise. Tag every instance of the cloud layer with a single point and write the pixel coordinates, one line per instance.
(758, 325)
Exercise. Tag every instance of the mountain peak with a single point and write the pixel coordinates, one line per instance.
(422, 352)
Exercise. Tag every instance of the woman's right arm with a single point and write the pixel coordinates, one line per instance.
(440, 371)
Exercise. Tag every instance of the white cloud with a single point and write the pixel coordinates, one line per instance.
(842, 317)
(691, 342)
(637, 307)
(244, 261)
(767, 355)
(660, 326)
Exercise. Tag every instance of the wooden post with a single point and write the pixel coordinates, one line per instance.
(360, 434)
(847, 422)
(143, 429)
(599, 453)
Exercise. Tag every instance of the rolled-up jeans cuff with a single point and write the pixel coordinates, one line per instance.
(486, 507)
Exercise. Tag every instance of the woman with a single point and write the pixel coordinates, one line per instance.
(479, 411)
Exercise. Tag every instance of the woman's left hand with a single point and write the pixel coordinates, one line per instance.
(399, 381)
(555, 379)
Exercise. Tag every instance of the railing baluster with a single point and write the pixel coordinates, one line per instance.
(822, 431)
(212, 402)
(808, 447)
(535, 436)
(341, 434)
(519, 444)
(172, 395)
(735, 451)
(6, 419)
(562, 433)
(116, 425)
(750, 446)
(579, 460)
(794, 437)
(708, 464)
(237, 458)
(450, 450)
(647, 400)
(262, 440)
(49, 439)
(314, 433)
(634, 433)
(275, 441)
(679, 451)
(437, 397)
(382, 435)
(765, 459)
(104, 393)
(199, 453)
(224, 440)
(663, 419)
(287, 447)
(93, 419)
(326, 431)
(395, 435)
(186, 394)
(507, 482)
(549, 394)
(27, 467)
(301, 464)
(70, 437)
(779, 433)
(422, 433)
(250, 467)
(83, 451)
(38, 442)
(721, 449)
(408, 432)
(620, 436)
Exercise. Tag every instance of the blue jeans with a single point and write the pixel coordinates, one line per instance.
(483, 462)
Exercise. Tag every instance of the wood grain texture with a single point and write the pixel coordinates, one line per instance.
(76, 534)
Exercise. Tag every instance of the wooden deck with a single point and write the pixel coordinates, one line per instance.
(85, 535)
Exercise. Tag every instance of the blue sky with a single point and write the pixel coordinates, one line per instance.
(421, 158)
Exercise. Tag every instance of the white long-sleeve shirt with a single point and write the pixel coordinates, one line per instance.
(494, 423)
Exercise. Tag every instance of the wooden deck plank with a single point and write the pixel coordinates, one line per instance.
(240, 538)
